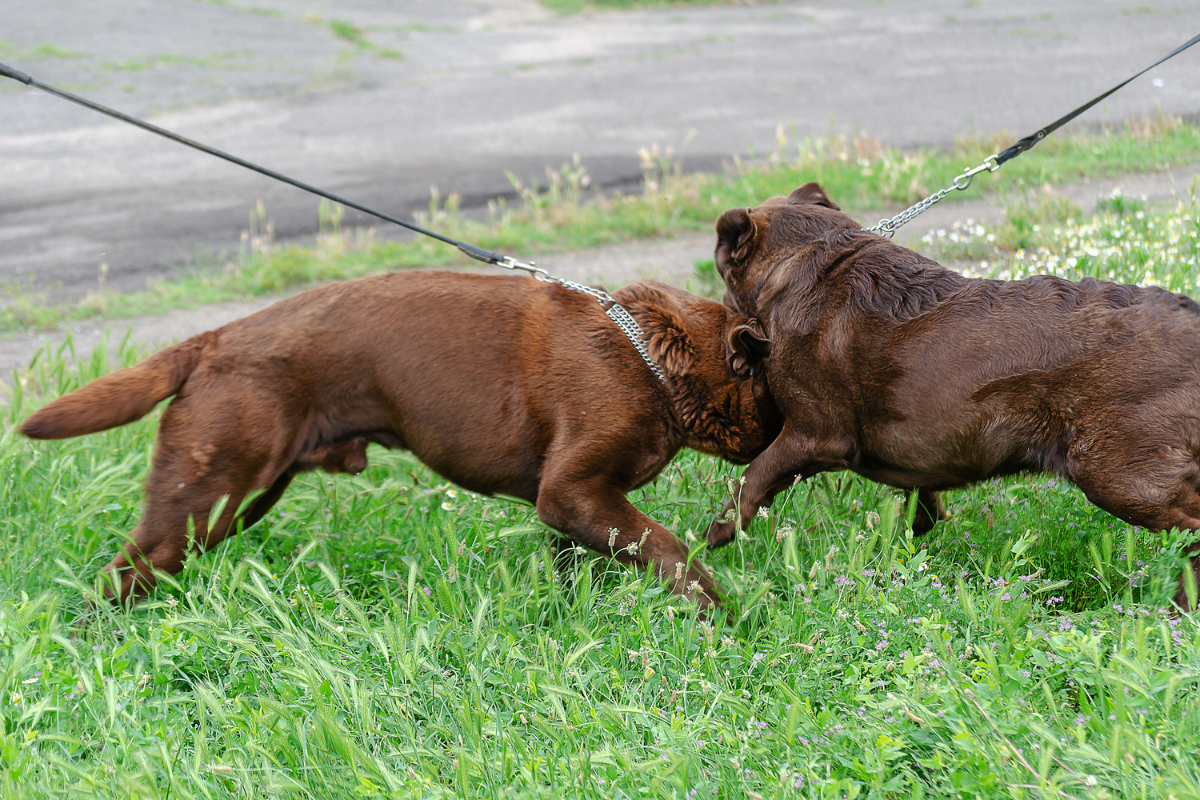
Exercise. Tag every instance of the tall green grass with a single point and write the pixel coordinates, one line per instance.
(389, 635)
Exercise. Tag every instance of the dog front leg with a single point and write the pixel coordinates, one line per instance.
(605, 521)
(786, 460)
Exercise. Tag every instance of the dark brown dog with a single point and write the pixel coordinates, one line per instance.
(502, 384)
(887, 364)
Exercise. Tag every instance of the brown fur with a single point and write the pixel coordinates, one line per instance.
(887, 364)
(502, 384)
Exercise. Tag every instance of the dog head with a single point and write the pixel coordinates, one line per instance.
(752, 243)
(713, 360)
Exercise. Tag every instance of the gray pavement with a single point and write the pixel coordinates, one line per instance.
(381, 100)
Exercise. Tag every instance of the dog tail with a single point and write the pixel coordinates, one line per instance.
(118, 398)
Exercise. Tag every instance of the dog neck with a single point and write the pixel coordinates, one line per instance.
(712, 412)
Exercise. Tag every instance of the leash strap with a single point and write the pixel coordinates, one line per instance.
(477, 253)
(887, 227)
(1033, 138)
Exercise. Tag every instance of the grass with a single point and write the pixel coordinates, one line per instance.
(226, 59)
(388, 635)
(37, 52)
(348, 32)
(1124, 241)
(559, 214)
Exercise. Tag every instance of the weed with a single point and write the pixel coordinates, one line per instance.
(1124, 242)
(226, 59)
(356, 36)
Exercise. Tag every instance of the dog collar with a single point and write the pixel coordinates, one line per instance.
(617, 313)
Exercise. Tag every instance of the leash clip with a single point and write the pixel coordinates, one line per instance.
(508, 262)
(990, 164)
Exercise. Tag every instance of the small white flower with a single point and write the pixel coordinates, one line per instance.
(447, 507)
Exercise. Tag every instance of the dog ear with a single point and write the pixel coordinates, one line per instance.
(812, 194)
(736, 234)
(746, 346)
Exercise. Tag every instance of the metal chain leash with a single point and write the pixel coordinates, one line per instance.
(616, 312)
(887, 227)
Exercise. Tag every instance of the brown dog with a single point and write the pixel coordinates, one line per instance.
(887, 364)
(502, 384)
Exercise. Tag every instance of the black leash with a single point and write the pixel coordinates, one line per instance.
(887, 227)
(477, 253)
(1029, 141)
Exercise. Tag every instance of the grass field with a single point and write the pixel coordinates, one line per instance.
(389, 635)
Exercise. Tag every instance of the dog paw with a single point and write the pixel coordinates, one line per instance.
(721, 533)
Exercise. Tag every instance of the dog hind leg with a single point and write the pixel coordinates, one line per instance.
(198, 461)
(1185, 516)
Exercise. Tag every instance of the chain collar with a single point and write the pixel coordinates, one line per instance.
(887, 227)
(615, 311)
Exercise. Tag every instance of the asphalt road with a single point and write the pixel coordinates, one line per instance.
(380, 100)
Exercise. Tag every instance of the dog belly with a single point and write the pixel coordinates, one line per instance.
(943, 450)
(485, 472)
(485, 445)
(901, 478)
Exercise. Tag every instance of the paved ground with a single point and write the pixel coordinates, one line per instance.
(316, 89)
